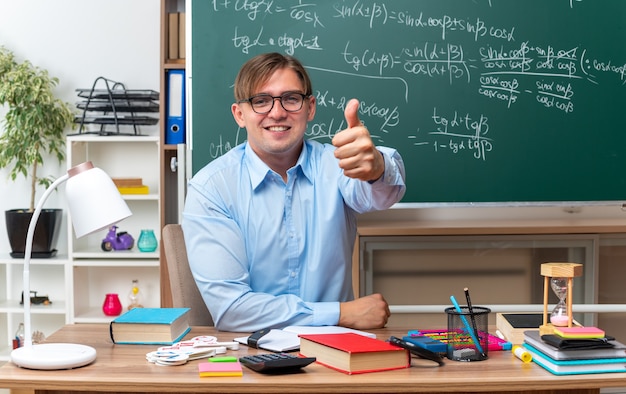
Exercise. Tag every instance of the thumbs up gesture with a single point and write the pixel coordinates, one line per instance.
(357, 154)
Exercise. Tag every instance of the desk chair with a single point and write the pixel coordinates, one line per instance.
(185, 292)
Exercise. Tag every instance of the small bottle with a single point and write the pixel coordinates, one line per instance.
(134, 296)
(18, 341)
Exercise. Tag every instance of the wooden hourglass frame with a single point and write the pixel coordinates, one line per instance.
(558, 270)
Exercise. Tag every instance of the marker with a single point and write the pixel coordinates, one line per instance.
(471, 311)
(467, 326)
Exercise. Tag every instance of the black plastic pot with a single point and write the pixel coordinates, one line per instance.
(46, 232)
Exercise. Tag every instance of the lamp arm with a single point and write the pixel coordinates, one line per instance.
(28, 341)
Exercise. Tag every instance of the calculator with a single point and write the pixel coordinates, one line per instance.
(276, 363)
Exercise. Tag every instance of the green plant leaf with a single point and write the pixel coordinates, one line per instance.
(35, 122)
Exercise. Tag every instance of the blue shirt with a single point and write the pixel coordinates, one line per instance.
(266, 254)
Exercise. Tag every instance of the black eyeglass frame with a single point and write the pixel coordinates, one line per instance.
(280, 98)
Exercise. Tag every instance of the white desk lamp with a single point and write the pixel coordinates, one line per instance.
(94, 203)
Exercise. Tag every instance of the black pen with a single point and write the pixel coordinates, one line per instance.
(471, 311)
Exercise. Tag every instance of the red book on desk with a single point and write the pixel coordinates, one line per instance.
(352, 353)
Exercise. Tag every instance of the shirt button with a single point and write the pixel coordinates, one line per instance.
(293, 274)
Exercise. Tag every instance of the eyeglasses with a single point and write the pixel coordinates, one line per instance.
(264, 103)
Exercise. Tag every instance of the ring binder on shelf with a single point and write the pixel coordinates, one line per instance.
(175, 133)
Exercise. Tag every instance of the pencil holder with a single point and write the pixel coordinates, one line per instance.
(468, 333)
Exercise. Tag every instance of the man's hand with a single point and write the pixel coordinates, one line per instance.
(364, 313)
(357, 154)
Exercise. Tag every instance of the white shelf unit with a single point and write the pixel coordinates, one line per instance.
(48, 277)
(94, 272)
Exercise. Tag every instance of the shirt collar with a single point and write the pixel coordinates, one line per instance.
(258, 170)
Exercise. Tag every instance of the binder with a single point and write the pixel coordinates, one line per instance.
(175, 132)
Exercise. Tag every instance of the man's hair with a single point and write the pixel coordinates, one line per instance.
(258, 70)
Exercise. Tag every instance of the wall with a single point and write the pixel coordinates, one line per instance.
(77, 42)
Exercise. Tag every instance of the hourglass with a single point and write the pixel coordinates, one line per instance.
(560, 278)
(560, 314)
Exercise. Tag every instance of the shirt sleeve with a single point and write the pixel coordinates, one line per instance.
(382, 193)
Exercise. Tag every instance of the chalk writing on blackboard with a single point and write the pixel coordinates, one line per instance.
(467, 90)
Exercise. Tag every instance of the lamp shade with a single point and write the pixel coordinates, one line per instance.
(93, 200)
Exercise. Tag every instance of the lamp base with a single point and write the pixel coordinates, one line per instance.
(53, 356)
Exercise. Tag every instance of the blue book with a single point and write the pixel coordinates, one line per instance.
(150, 326)
(576, 367)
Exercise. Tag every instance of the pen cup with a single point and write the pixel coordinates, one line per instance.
(468, 338)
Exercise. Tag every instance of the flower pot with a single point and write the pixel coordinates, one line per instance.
(46, 232)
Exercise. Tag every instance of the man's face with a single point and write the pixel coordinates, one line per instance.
(278, 134)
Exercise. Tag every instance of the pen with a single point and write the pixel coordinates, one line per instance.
(467, 326)
(471, 311)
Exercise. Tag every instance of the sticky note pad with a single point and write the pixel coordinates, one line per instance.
(220, 369)
(579, 332)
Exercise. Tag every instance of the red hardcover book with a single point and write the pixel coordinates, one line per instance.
(352, 353)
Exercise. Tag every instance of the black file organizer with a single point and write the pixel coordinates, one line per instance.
(117, 106)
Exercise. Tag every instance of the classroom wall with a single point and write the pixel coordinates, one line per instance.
(78, 41)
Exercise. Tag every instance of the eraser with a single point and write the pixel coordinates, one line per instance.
(463, 353)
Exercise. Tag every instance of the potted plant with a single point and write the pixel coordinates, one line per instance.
(33, 126)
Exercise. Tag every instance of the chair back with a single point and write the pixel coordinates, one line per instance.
(185, 293)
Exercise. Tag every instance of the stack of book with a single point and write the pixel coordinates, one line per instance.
(576, 356)
(131, 186)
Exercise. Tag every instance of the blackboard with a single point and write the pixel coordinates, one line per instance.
(486, 100)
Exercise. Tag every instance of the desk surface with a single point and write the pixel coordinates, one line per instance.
(123, 368)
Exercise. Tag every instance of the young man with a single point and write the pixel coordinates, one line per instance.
(270, 225)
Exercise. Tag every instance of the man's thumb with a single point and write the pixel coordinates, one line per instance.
(352, 113)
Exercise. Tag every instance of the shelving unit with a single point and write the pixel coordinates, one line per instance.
(48, 277)
(95, 272)
(78, 277)
(76, 282)
(172, 156)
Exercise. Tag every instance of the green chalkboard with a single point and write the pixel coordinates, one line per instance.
(486, 100)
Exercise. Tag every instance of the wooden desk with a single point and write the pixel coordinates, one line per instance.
(123, 368)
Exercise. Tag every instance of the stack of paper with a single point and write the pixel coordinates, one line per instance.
(287, 339)
(131, 186)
